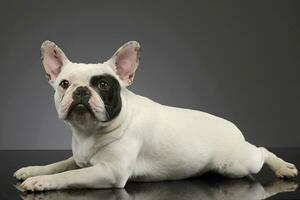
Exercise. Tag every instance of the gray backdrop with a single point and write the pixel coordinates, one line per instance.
(235, 59)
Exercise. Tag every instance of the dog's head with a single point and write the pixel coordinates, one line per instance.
(89, 92)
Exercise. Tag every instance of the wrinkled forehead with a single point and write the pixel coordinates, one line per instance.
(80, 72)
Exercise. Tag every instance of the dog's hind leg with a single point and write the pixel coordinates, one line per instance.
(281, 168)
(245, 159)
(241, 160)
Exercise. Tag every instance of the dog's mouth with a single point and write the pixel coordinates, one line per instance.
(80, 109)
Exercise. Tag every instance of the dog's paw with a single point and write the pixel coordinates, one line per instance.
(25, 172)
(287, 170)
(38, 183)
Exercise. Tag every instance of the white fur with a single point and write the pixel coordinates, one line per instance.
(220, 189)
(146, 142)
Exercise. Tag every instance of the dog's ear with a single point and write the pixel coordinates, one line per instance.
(53, 59)
(125, 61)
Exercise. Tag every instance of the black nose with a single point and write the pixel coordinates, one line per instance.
(81, 94)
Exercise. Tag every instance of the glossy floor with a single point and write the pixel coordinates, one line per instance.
(209, 187)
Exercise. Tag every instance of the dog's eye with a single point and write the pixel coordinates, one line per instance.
(64, 84)
(103, 85)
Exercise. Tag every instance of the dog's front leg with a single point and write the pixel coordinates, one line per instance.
(31, 171)
(98, 176)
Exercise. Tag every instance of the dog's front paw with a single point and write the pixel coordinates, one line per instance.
(25, 172)
(39, 183)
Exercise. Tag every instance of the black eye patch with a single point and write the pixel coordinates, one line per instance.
(111, 97)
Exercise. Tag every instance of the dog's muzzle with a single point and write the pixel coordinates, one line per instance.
(80, 105)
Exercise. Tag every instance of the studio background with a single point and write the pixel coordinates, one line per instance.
(235, 59)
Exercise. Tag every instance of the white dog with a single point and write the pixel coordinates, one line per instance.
(119, 136)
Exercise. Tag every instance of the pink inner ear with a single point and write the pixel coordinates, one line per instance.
(53, 59)
(53, 62)
(126, 62)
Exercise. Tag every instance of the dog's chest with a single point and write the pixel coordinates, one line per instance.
(83, 151)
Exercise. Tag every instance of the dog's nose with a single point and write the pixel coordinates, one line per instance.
(82, 94)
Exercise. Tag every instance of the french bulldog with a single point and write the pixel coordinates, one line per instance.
(119, 136)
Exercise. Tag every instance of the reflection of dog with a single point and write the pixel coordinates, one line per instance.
(120, 136)
(225, 189)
